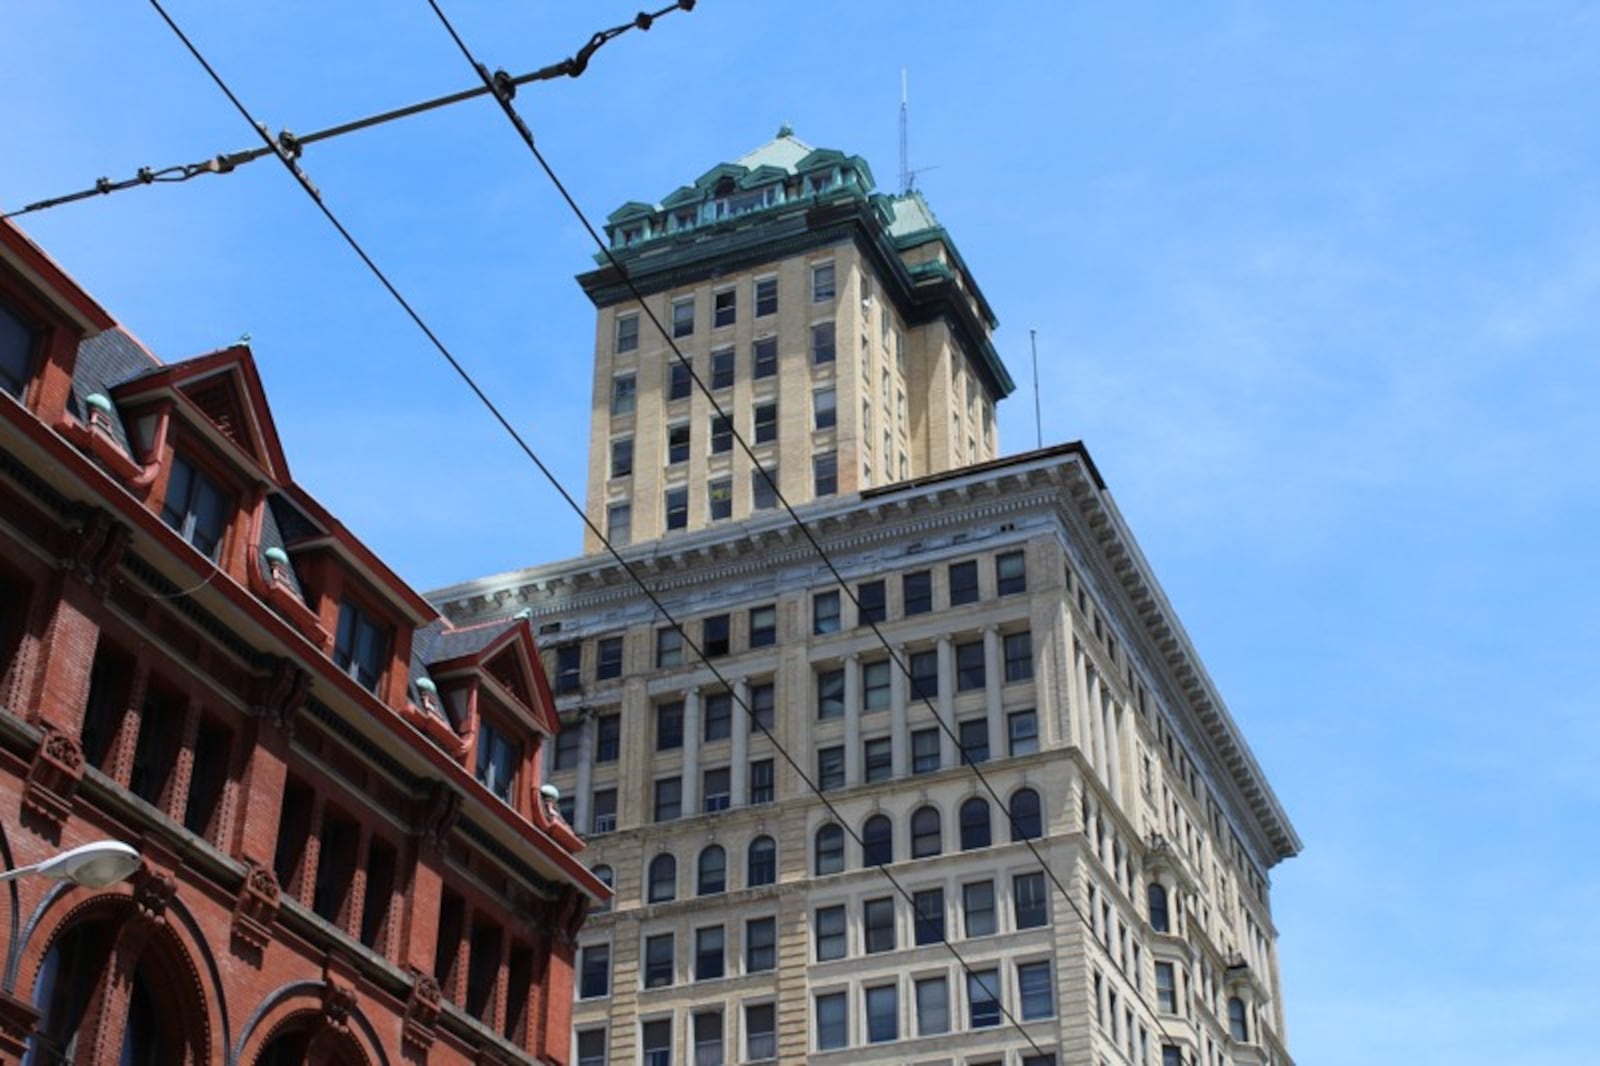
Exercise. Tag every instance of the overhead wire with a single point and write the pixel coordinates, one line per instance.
(504, 95)
(310, 189)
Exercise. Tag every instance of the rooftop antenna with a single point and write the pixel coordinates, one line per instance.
(1038, 426)
(906, 177)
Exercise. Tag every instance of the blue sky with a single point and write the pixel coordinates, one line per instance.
(1320, 289)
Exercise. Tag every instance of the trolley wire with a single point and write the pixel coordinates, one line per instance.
(305, 183)
(504, 94)
(293, 144)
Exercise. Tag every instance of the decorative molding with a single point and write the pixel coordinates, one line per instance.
(53, 776)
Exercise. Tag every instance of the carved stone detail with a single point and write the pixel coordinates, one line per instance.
(99, 546)
(284, 694)
(440, 807)
(54, 775)
(256, 906)
(422, 1009)
(338, 1000)
(152, 892)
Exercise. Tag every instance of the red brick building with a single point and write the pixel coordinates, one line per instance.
(346, 854)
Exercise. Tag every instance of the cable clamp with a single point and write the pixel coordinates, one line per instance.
(505, 87)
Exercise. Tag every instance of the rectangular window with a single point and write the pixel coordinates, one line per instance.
(619, 524)
(875, 685)
(17, 343)
(622, 394)
(669, 799)
(824, 409)
(925, 751)
(657, 1043)
(877, 759)
(761, 782)
(1034, 990)
(608, 658)
(213, 741)
(498, 756)
(722, 369)
(569, 663)
(872, 599)
(717, 790)
(822, 348)
(825, 474)
(196, 507)
(724, 308)
(708, 1038)
(567, 743)
(917, 591)
(1019, 656)
(830, 768)
(822, 283)
(721, 435)
(658, 961)
(760, 945)
(877, 921)
(970, 672)
(1010, 573)
(336, 866)
(762, 702)
(708, 953)
(678, 443)
(627, 333)
(830, 694)
(830, 933)
(1166, 988)
(763, 489)
(1171, 1055)
(963, 583)
(604, 815)
(825, 612)
(361, 646)
(669, 647)
(1032, 902)
(933, 1006)
(764, 358)
(924, 670)
(929, 906)
(763, 626)
(594, 970)
(1022, 731)
(766, 423)
(683, 317)
(883, 1014)
(766, 297)
(718, 716)
(833, 1021)
(760, 1032)
(607, 737)
(677, 508)
(974, 739)
(719, 499)
(592, 1047)
(680, 383)
(983, 998)
(977, 904)
(623, 456)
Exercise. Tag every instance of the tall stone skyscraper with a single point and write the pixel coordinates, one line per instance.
(979, 803)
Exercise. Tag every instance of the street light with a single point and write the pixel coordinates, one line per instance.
(105, 862)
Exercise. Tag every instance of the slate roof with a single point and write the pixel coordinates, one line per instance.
(105, 361)
(784, 151)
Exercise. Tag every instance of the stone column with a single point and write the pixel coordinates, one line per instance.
(739, 774)
(852, 720)
(1116, 716)
(949, 755)
(994, 681)
(899, 687)
(1097, 724)
(581, 801)
(691, 752)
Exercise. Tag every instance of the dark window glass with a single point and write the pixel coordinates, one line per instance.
(761, 866)
(623, 395)
(724, 307)
(663, 880)
(669, 725)
(17, 343)
(569, 662)
(1022, 731)
(983, 998)
(875, 679)
(974, 737)
(678, 442)
(622, 457)
(498, 757)
(592, 1047)
(825, 474)
(709, 953)
(763, 626)
(677, 508)
(760, 945)
(830, 933)
(1031, 899)
(1034, 991)
(877, 920)
(619, 524)
(1027, 823)
(970, 672)
(975, 824)
(658, 961)
(766, 297)
(1157, 897)
(682, 317)
(763, 488)
(877, 758)
(822, 350)
(1019, 656)
(764, 358)
(212, 745)
(722, 369)
(825, 612)
(924, 669)
(822, 282)
(669, 799)
(929, 906)
(883, 1014)
(1166, 988)
(925, 751)
(933, 1006)
(568, 742)
(824, 409)
(830, 694)
(718, 716)
(594, 971)
(669, 647)
(716, 793)
(917, 590)
(761, 782)
(604, 812)
(762, 702)
(657, 1043)
(877, 841)
(714, 635)
(963, 583)
(196, 507)
(719, 499)
(871, 602)
(1238, 1023)
(766, 422)
(830, 768)
(721, 435)
(760, 1032)
(927, 837)
(361, 647)
(833, 1021)
(608, 658)
(829, 850)
(977, 904)
(1010, 573)
(680, 383)
(627, 333)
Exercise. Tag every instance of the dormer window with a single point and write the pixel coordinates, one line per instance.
(17, 343)
(498, 756)
(361, 646)
(196, 507)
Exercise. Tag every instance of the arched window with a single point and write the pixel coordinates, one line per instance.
(927, 836)
(761, 867)
(1238, 1024)
(877, 841)
(830, 850)
(975, 824)
(712, 875)
(663, 879)
(1156, 895)
(1026, 823)
(603, 874)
